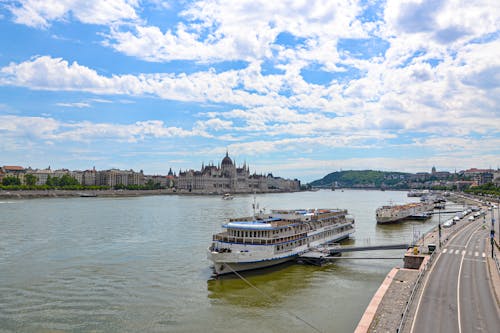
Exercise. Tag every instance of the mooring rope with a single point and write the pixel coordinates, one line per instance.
(271, 299)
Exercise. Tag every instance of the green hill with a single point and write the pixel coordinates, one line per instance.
(363, 178)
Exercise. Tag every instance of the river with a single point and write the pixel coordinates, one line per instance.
(138, 264)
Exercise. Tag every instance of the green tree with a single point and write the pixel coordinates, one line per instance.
(30, 180)
(150, 184)
(11, 180)
(67, 180)
(49, 181)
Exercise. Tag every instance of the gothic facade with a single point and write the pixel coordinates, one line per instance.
(228, 178)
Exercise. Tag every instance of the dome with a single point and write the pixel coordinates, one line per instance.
(227, 161)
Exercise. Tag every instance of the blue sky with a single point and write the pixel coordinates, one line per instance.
(296, 88)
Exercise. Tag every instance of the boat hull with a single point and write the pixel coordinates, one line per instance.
(222, 267)
(227, 268)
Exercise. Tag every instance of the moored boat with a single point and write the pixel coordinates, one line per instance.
(227, 196)
(270, 239)
(396, 213)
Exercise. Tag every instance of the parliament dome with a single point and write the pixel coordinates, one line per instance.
(226, 161)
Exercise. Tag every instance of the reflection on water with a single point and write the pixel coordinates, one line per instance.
(274, 282)
(139, 264)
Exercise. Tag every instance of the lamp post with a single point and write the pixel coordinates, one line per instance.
(492, 231)
(439, 228)
(498, 217)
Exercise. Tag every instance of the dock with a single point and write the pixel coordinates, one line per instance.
(321, 255)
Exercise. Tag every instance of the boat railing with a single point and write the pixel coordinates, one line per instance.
(224, 237)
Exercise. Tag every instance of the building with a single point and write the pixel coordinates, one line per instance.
(228, 178)
(13, 171)
(479, 176)
(115, 177)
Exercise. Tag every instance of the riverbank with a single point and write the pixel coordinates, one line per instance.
(33, 194)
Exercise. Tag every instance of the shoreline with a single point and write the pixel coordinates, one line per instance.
(36, 194)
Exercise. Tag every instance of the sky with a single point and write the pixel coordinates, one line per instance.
(295, 88)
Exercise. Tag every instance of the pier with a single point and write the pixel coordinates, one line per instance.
(321, 255)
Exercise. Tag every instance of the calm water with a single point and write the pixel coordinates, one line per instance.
(139, 264)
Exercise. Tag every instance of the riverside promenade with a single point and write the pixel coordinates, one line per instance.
(392, 308)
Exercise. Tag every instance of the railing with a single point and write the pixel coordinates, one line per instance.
(414, 290)
(495, 257)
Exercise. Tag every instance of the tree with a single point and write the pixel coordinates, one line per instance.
(67, 180)
(11, 180)
(30, 180)
(49, 181)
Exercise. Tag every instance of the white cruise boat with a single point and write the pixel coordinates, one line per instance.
(271, 239)
(395, 213)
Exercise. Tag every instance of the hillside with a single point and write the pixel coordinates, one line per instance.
(363, 178)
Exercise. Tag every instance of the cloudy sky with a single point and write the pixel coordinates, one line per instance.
(296, 88)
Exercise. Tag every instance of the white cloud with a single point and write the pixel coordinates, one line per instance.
(35, 129)
(443, 22)
(245, 30)
(40, 13)
(458, 93)
(74, 105)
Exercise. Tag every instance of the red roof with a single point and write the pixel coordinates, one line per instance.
(13, 167)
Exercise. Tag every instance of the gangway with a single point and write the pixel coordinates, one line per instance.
(320, 255)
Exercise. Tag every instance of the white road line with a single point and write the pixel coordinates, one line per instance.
(458, 284)
(444, 250)
(457, 251)
(476, 254)
(429, 272)
(484, 254)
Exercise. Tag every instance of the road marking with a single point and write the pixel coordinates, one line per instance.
(444, 251)
(458, 280)
(476, 260)
(457, 251)
(476, 254)
(429, 272)
(484, 254)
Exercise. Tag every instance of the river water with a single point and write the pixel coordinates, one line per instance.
(139, 264)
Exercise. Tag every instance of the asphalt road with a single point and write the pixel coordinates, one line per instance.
(457, 295)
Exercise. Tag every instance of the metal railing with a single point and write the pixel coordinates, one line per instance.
(414, 290)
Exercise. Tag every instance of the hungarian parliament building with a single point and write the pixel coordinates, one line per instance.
(228, 178)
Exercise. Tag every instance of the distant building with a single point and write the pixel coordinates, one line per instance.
(479, 176)
(13, 171)
(228, 178)
(162, 181)
(115, 177)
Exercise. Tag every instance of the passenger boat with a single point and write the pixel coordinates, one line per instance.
(227, 196)
(396, 213)
(270, 239)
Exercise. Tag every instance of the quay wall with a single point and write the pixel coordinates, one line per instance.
(32, 194)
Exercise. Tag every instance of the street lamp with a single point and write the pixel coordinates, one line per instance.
(492, 232)
(439, 228)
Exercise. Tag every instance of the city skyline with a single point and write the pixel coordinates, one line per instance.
(299, 89)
